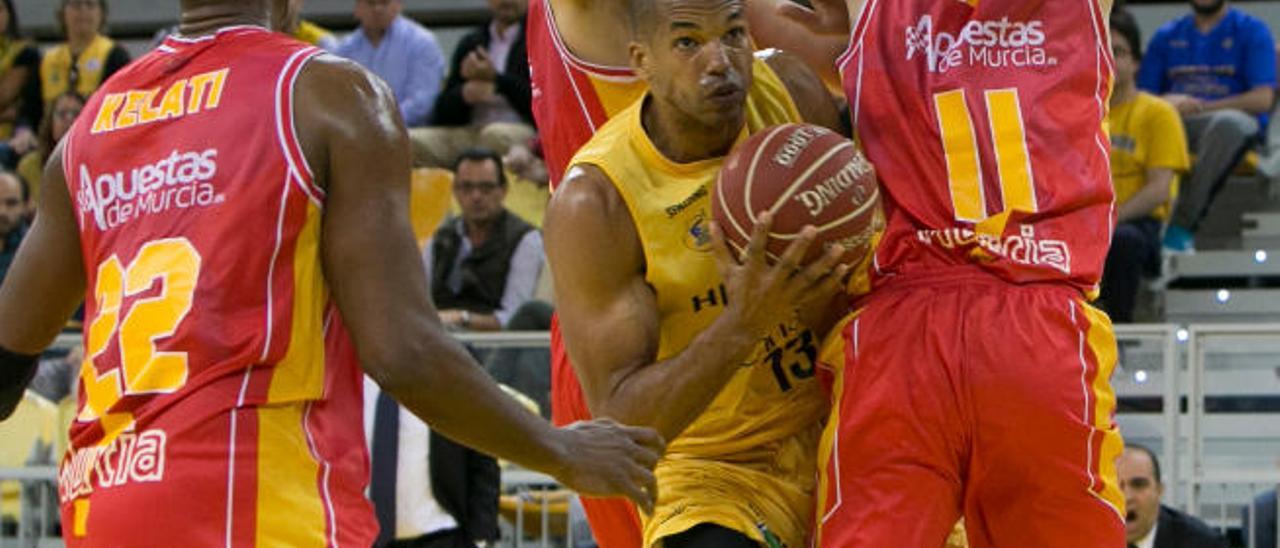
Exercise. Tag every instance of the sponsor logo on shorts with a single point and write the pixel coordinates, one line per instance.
(133, 457)
(997, 43)
(181, 180)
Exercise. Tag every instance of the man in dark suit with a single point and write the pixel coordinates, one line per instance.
(487, 97)
(427, 490)
(1149, 524)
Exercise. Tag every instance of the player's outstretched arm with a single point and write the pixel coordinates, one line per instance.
(817, 35)
(609, 314)
(43, 287)
(355, 142)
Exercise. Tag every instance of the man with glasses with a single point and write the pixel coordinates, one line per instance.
(401, 52)
(484, 263)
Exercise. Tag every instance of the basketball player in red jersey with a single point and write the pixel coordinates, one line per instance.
(212, 198)
(976, 375)
(579, 62)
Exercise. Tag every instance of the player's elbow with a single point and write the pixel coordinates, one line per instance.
(400, 366)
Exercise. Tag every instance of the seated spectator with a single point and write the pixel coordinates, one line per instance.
(307, 31)
(529, 192)
(13, 218)
(487, 98)
(20, 100)
(427, 490)
(1149, 524)
(1217, 67)
(1148, 151)
(57, 122)
(484, 263)
(87, 58)
(401, 52)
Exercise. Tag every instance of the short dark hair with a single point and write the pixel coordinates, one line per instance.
(643, 17)
(481, 154)
(23, 190)
(1155, 462)
(61, 20)
(1123, 22)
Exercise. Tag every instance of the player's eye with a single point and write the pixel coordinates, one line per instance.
(685, 43)
(736, 35)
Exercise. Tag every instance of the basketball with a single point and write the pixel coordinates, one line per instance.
(804, 175)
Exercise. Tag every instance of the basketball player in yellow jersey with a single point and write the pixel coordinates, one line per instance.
(664, 327)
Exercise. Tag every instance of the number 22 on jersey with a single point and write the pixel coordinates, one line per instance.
(964, 164)
(175, 265)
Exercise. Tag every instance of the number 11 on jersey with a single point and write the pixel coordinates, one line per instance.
(964, 161)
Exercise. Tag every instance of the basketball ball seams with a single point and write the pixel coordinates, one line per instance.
(804, 178)
(751, 171)
(873, 201)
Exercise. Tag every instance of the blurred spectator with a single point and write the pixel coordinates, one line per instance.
(1149, 524)
(401, 52)
(1148, 151)
(57, 122)
(13, 218)
(529, 192)
(484, 263)
(20, 100)
(87, 58)
(487, 98)
(1217, 66)
(307, 31)
(427, 490)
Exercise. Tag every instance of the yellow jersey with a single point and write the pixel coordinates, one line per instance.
(55, 69)
(748, 462)
(1146, 132)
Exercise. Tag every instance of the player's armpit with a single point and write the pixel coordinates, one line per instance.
(46, 282)
(812, 98)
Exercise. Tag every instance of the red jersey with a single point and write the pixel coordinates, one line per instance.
(985, 121)
(199, 227)
(571, 97)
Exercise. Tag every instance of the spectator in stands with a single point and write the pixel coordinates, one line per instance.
(56, 123)
(1264, 531)
(20, 101)
(401, 52)
(1217, 66)
(427, 490)
(87, 58)
(484, 263)
(487, 98)
(14, 208)
(1148, 523)
(307, 31)
(1148, 151)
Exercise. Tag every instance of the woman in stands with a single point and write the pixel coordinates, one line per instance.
(87, 58)
(56, 123)
(20, 102)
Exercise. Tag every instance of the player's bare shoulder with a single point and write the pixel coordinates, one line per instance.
(590, 29)
(587, 206)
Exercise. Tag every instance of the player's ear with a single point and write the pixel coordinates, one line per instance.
(639, 57)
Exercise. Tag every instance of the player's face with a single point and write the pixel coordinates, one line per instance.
(699, 59)
(377, 15)
(1207, 7)
(1141, 493)
(1126, 62)
(508, 12)
(12, 207)
(477, 188)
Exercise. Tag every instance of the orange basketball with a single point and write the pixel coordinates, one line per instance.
(804, 175)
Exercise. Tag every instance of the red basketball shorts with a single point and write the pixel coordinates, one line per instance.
(964, 394)
(614, 522)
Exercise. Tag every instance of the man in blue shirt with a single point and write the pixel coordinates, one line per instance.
(399, 51)
(1217, 66)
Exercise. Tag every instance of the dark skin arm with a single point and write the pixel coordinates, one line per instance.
(611, 322)
(346, 117)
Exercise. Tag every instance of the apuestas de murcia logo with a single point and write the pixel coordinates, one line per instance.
(992, 44)
(180, 180)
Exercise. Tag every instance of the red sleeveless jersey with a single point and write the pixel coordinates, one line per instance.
(571, 97)
(200, 226)
(985, 121)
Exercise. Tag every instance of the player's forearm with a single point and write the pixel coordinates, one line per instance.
(670, 394)
(1255, 101)
(1152, 195)
(436, 379)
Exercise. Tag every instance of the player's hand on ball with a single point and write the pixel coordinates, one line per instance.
(602, 458)
(762, 295)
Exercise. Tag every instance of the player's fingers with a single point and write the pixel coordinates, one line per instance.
(759, 238)
(793, 256)
(825, 266)
(647, 438)
(648, 483)
(726, 258)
